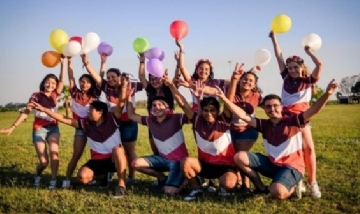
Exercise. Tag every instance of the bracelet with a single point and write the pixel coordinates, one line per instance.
(14, 126)
(142, 62)
(182, 51)
(85, 64)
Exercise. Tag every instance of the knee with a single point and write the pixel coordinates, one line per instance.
(118, 151)
(277, 192)
(44, 163)
(135, 164)
(241, 159)
(83, 177)
(54, 155)
(228, 183)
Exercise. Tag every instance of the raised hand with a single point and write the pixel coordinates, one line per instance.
(307, 50)
(141, 57)
(198, 90)
(103, 58)
(182, 82)
(125, 80)
(332, 86)
(165, 79)
(272, 35)
(84, 58)
(238, 71)
(129, 92)
(36, 106)
(62, 58)
(180, 45)
(177, 55)
(219, 92)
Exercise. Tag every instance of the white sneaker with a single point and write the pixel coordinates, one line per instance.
(91, 183)
(66, 184)
(194, 195)
(52, 184)
(211, 189)
(110, 176)
(300, 188)
(37, 180)
(223, 192)
(315, 190)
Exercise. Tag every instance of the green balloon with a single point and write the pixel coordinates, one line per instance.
(141, 45)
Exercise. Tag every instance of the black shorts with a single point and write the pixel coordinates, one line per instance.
(101, 167)
(213, 171)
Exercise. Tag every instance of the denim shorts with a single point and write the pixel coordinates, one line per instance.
(248, 134)
(79, 132)
(285, 175)
(175, 176)
(43, 133)
(128, 131)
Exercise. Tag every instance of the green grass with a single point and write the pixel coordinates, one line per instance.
(337, 137)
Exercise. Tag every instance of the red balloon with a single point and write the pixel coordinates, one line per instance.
(76, 38)
(179, 29)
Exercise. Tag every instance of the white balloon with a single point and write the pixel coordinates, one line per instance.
(313, 41)
(72, 48)
(262, 57)
(90, 42)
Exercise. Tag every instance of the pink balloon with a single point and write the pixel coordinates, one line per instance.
(155, 67)
(153, 53)
(105, 48)
(162, 56)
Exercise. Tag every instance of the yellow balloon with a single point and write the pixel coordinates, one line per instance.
(281, 24)
(58, 39)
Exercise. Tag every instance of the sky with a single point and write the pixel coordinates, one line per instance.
(221, 31)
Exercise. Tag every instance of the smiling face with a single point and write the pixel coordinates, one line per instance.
(210, 113)
(159, 108)
(50, 85)
(273, 108)
(85, 84)
(295, 70)
(155, 82)
(203, 71)
(113, 79)
(248, 82)
(93, 114)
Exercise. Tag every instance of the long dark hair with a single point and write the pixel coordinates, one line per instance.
(93, 90)
(49, 76)
(151, 94)
(201, 61)
(256, 88)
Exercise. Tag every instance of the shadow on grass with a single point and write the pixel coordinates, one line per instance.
(12, 177)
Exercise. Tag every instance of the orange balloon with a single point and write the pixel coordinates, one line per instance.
(50, 59)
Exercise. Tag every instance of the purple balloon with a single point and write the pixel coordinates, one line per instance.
(153, 53)
(105, 48)
(155, 67)
(162, 56)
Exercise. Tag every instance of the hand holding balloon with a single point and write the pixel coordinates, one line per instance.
(262, 57)
(105, 49)
(90, 42)
(155, 67)
(281, 24)
(313, 41)
(58, 39)
(141, 45)
(179, 29)
(50, 59)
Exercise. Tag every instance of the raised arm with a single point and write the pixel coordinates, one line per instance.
(91, 70)
(318, 64)
(230, 106)
(177, 69)
(278, 52)
(183, 69)
(56, 116)
(179, 98)
(60, 85)
(124, 81)
(129, 107)
(72, 82)
(142, 75)
(103, 65)
(321, 102)
(238, 72)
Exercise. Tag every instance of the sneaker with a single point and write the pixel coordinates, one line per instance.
(223, 192)
(66, 184)
(52, 184)
(266, 191)
(315, 190)
(92, 183)
(110, 176)
(37, 180)
(130, 180)
(244, 189)
(300, 188)
(160, 186)
(211, 188)
(194, 195)
(119, 192)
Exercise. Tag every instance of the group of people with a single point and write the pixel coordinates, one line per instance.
(224, 138)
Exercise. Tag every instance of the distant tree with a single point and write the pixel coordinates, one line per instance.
(347, 83)
(356, 88)
(338, 94)
(317, 92)
(65, 97)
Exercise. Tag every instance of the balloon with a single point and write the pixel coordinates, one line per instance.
(105, 48)
(153, 53)
(313, 41)
(72, 48)
(76, 38)
(58, 39)
(262, 57)
(141, 45)
(179, 29)
(162, 56)
(155, 67)
(90, 42)
(281, 24)
(50, 59)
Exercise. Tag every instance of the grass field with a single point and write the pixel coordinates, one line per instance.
(336, 133)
